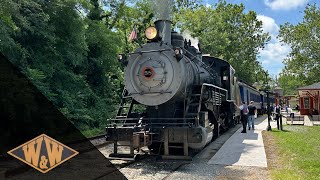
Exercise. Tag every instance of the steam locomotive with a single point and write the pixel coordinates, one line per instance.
(174, 97)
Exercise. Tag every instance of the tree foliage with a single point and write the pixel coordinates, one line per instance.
(290, 83)
(227, 32)
(71, 57)
(303, 62)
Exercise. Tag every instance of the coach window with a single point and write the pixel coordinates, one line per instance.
(306, 103)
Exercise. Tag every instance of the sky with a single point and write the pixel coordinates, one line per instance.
(273, 13)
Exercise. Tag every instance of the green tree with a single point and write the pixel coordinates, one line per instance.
(304, 60)
(227, 32)
(68, 51)
(289, 83)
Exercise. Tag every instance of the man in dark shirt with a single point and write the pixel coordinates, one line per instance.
(244, 116)
(252, 112)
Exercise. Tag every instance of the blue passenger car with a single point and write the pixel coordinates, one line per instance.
(249, 93)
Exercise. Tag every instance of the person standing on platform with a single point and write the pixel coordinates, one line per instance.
(244, 116)
(289, 110)
(277, 111)
(252, 112)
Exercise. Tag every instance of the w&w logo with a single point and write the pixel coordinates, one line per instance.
(43, 153)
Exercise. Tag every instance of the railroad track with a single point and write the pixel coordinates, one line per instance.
(146, 167)
(153, 167)
(99, 140)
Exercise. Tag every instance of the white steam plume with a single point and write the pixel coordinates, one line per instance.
(162, 8)
(194, 41)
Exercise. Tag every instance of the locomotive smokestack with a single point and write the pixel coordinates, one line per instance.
(162, 10)
(164, 29)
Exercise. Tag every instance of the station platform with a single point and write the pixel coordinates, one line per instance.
(234, 155)
(244, 149)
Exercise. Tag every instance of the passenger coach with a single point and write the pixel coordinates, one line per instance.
(249, 93)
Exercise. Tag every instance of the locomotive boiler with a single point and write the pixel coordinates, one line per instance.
(174, 97)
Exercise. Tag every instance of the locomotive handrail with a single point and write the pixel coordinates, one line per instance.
(172, 123)
(211, 85)
(230, 100)
(150, 51)
(159, 123)
(118, 121)
(128, 119)
(152, 92)
(111, 124)
(132, 119)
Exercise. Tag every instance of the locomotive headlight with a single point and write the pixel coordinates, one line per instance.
(151, 33)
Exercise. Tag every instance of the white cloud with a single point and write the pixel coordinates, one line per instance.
(285, 4)
(274, 52)
(273, 55)
(268, 24)
(207, 4)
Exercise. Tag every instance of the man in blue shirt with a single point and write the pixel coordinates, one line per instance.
(252, 112)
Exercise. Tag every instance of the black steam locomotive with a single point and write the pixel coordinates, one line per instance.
(174, 97)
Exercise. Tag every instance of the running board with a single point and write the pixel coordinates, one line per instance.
(124, 157)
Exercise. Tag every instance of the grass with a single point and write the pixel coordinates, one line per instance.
(298, 153)
(93, 132)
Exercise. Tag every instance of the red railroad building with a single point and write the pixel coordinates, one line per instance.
(309, 98)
